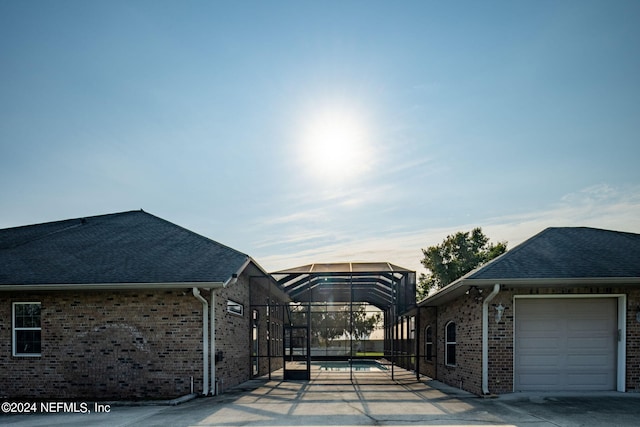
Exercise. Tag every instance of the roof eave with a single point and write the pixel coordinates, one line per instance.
(108, 286)
(460, 287)
(445, 294)
(556, 281)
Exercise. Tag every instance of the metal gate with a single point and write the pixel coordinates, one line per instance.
(297, 361)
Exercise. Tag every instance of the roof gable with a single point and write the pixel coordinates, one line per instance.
(566, 253)
(127, 247)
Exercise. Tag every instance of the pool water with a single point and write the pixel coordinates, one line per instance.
(357, 365)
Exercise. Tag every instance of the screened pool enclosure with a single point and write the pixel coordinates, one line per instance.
(343, 317)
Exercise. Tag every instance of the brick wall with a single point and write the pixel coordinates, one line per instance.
(466, 312)
(633, 341)
(106, 345)
(428, 317)
(130, 344)
(233, 335)
(500, 343)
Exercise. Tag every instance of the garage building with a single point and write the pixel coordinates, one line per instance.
(559, 312)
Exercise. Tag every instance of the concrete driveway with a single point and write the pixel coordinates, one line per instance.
(368, 400)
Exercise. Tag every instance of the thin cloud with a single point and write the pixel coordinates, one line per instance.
(599, 207)
(295, 240)
(294, 218)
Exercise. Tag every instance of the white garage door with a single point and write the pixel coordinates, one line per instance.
(565, 344)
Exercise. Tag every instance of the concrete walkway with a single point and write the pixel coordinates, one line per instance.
(371, 399)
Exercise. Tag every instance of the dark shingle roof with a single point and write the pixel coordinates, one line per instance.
(127, 247)
(568, 252)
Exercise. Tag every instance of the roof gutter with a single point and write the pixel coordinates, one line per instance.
(485, 338)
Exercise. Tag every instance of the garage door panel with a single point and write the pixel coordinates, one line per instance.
(540, 343)
(541, 325)
(537, 360)
(593, 325)
(565, 344)
(589, 360)
(531, 310)
(589, 343)
(588, 381)
(539, 381)
(578, 307)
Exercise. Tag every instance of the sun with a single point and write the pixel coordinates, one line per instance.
(335, 145)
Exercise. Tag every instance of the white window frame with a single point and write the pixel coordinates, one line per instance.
(255, 343)
(447, 343)
(14, 329)
(235, 308)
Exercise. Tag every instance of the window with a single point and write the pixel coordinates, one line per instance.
(254, 338)
(412, 327)
(428, 343)
(450, 344)
(26, 329)
(235, 308)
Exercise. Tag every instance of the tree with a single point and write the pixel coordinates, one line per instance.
(454, 257)
(327, 325)
(334, 320)
(363, 323)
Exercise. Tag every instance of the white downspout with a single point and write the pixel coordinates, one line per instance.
(205, 343)
(209, 343)
(214, 389)
(485, 338)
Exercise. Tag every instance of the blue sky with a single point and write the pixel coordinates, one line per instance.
(302, 132)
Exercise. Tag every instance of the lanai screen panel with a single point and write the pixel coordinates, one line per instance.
(381, 284)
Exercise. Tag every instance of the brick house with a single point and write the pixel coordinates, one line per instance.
(125, 306)
(560, 311)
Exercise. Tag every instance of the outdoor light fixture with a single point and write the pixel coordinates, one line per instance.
(233, 280)
(475, 290)
(499, 311)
